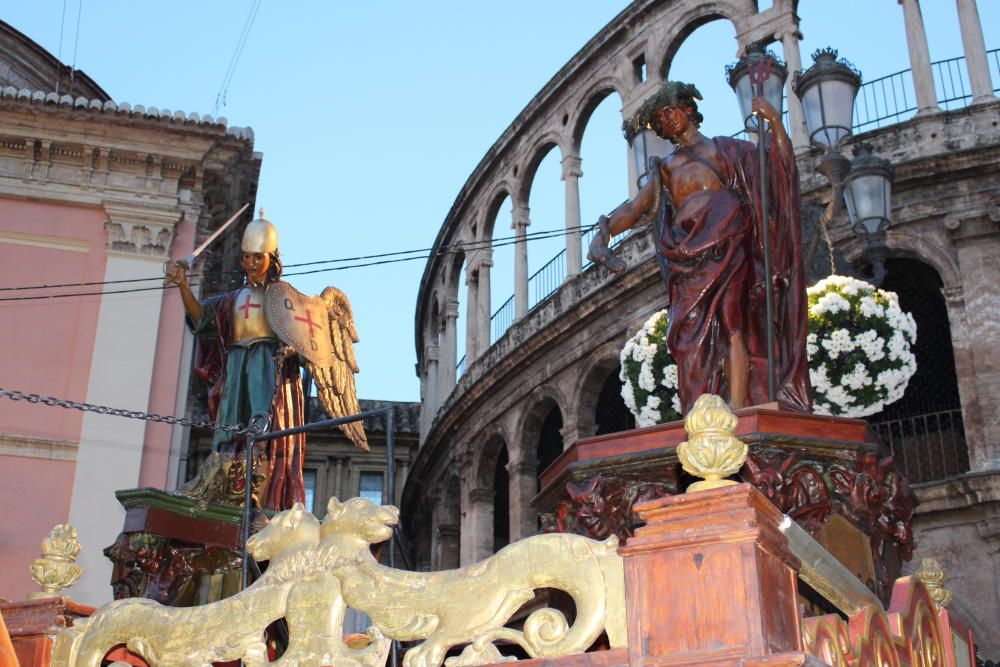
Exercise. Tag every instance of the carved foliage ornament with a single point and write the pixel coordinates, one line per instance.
(316, 572)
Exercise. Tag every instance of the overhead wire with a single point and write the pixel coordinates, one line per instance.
(387, 258)
(220, 98)
(62, 28)
(76, 46)
(531, 236)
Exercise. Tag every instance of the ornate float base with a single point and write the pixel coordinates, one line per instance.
(829, 474)
(175, 550)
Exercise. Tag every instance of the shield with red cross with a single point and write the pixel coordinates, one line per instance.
(301, 322)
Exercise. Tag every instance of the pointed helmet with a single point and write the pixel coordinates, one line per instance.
(260, 236)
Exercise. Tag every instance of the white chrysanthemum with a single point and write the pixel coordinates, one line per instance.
(646, 380)
(859, 347)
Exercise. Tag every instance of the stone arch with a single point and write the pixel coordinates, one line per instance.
(904, 244)
(925, 429)
(500, 192)
(694, 18)
(596, 94)
(544, 146)
(536, 422)
(433, 322)
(446, 537)
(489, 496)
(601, 364)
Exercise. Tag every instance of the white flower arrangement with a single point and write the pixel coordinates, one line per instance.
(649, 374)
(859, 347)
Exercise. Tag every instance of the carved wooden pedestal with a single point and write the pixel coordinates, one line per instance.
(33, 624)
(175, 550)
(710, 580)
(829, 474)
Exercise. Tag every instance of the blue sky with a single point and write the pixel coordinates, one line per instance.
(371, 116)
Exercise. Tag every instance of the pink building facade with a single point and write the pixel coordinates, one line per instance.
(95, 192)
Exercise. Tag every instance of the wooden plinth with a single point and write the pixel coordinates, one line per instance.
(757, 425)
(175, 550)
(710, 579)
(32, 626)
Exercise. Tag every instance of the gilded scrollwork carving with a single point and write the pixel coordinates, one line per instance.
(910, 633)
(296, 586)
(436, 607)
(315, 572)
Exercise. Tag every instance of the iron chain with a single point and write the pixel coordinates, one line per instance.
(117, 412)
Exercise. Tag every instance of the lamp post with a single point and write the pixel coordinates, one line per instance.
(759, 74)
(644, 144)
(827, 91)
(746, 81)
(868, 196)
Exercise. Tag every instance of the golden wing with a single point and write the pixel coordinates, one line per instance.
(335, 384)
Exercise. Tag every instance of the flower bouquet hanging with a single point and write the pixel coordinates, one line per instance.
(859, 347)
(649, 374)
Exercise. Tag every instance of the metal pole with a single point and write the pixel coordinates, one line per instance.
(760, 72)
(247, 510)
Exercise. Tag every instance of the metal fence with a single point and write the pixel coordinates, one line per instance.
(547, 279)
(501, 320)
(929, 447)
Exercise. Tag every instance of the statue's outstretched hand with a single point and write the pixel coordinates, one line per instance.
(600, 252)
(175, 273)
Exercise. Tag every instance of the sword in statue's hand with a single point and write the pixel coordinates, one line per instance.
(188, 261)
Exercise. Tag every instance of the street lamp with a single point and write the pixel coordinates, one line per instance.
(644, 143)
(868, 196)
(747, 75)
(827, 91)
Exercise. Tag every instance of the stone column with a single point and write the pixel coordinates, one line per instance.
(447, 555)
(571, 175)
(446, 365)
(336, 485)
(472, 346)
(570, 431)
(430, 405)
(975, 52)
(796, 119)
(523, 488)
(920, 58)
(521, 222)
(483, 308)
(477, 526)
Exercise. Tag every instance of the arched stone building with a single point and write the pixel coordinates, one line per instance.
(525, 391)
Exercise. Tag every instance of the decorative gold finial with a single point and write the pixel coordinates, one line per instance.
(931, 574)
(711, 451)
(55, 570)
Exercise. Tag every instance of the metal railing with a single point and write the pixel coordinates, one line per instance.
(928, 447)
(547, 279)
(501, 320)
